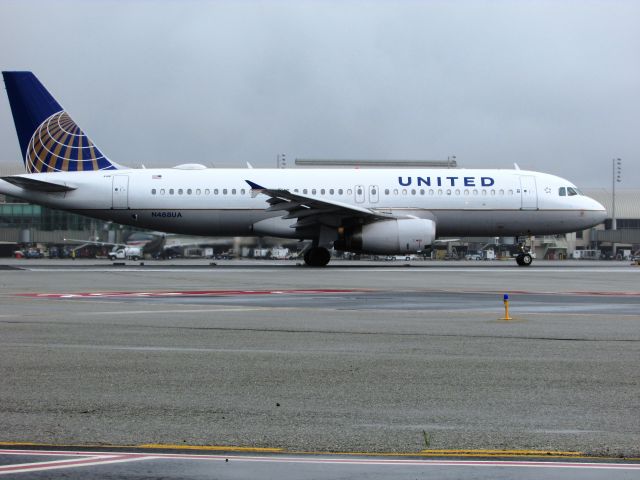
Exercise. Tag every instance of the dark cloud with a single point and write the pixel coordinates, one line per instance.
(550, 85)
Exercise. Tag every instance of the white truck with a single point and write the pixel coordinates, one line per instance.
(124, 253)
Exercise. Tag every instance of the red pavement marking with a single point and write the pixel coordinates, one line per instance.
(214, 293)
(186, 293)
(100, 458)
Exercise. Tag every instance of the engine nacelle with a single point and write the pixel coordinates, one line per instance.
(387, 237)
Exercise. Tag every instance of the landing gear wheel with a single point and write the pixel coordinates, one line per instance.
(524, 259)
(317, 257)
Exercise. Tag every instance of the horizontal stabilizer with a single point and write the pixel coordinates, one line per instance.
(37, 185)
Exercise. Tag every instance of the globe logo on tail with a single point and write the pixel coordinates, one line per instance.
(59, 145)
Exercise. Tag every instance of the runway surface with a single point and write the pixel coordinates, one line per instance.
(352, 358)
(87, 464)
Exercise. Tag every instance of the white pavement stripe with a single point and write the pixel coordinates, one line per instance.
(69, 463)
(98, 458)
(151, 312)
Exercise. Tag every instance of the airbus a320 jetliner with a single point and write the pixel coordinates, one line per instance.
(377, 211)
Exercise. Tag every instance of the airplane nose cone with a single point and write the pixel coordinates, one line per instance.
(598, 212)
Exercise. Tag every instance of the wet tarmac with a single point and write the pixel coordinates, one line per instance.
(353, 358)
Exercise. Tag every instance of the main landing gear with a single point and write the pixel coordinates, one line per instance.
(317, 257)
(523, 258)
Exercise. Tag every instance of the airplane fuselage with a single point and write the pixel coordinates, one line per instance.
(219, 202)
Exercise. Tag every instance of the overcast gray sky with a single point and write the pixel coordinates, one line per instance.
(551, 85)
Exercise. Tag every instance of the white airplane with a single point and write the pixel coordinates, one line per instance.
(377, 211)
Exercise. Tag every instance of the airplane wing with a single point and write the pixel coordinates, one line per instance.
(311, 212)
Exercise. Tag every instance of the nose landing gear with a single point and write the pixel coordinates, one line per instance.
(523, 258)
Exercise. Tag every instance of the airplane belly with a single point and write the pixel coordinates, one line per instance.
(509, 222)
(193, 222)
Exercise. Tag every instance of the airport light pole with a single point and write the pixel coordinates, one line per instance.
(616, 178)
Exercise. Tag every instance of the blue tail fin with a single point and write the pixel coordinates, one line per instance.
(49, 139)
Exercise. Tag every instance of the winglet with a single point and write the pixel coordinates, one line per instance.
(255, 188)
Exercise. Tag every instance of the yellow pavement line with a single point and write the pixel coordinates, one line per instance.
(157, 446)
(218, 448)
(498, 453)
(422, 453)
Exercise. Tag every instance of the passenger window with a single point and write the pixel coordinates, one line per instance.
(439, 191)
(331, 191)
(373, 191)
(448, 191)
(395, 191)
(207, 191)
(171, 191)
(215, 191)
(180, 191)
(404, 191)
(386, 191)
(475, 192)
(242, 192)
(313, 191)
(413, 191)
(466, 191)
(431, 192)
(305, 191)
(422, 191)
(189, 191)
(153, 191)
(563, 192)
(340, 191)
(510, 191)
(198, 191)
(224, 191)
(322, 191)
(233, 191)
(457, 191)
(162, 191)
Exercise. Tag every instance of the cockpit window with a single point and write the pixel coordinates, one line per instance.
(571, 191)
(562, 192)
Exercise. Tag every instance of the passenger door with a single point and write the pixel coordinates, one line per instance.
(120, 191)
(528, 192)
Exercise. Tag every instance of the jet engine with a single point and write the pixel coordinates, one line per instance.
(386, 237)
